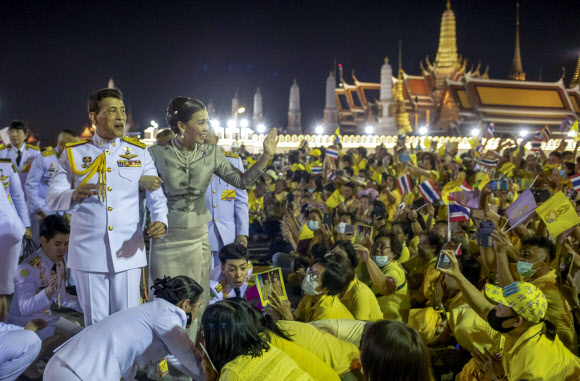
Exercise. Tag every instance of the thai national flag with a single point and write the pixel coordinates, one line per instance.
(316, 170)
(490, 129)
(489, 162)
(536, 146)
(546, 133)
(457, 212)
(304, 144)
(565, 125)
(479, 149)
(429, 192)
(404, 184)
(575, 182)
(332, 153)
(538, 135)
(331, 176)
(466, 187)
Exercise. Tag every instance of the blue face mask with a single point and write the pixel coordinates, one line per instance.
(525, 269)
(312, 225)
(381, 260)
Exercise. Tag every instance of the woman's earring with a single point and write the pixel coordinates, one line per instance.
(182, 134)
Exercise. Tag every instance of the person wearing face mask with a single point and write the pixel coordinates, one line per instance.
(153, 332)
(323, 283)
(230, 279)
(531, 348)
(388, 281)
(534, 266)
(187, 165)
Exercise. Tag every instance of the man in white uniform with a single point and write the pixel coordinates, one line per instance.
(98, 182)
(41, 173)
(228, 207)
(22, 155)
(19, 346)
(230, 279)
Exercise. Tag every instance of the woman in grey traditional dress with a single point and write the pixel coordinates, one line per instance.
(186, 165)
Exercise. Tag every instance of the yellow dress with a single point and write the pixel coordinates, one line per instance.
(327, 307)
(361, 302)
(272, 365)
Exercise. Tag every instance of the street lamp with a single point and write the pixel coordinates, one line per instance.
(244, 123)
(475, 132)
(369, 129)
(319, 129)
(241, 110)
(154, 124)
(524, 133)
(214, 123)
(231, 123)
(423, 130)
(261, 128)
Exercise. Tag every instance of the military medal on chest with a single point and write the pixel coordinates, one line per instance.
(86, 162)
(128, 154)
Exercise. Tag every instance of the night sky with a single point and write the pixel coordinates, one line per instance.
(53, 57)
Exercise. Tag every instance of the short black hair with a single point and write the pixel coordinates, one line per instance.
(330, 187)
(347, 158)
(70, 132)
(349, 214)
(543, 243)
(396, 245)
(349, 250)
(317, 211)
(362, 151)
(351, 185)
(233, 251)
(349, 171)
(53, 225)
(18, 125)
(434, 240)
(94, 103)
(177, 289)
(334, 276)
(393, 348)
(557, 154)
(346, 264)
(264, 321)
(318, 250)
(230, 331)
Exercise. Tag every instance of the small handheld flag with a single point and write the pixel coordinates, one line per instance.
(490, 130)
(429, 191)
(546, 133)
(405, 185)
(536, 146)
(316, 170)
(489, 162)
(304, 144)
(457, 212)
(465, 186)
(337, 136)
(575, 182)
(332, 153)
(565, 125)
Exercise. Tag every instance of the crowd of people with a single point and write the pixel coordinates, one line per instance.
(407, 263)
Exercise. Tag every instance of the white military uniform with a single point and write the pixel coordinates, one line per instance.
(9, 254)
(39, 177)
(220, 289)
(106, 247)
(29, 153)
(18, 349)
(229, 211)
(30, 300)
(109, 349)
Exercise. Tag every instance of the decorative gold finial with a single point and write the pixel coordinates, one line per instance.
(386, 60)
(448, 5)
(258, 91)
(295, 81)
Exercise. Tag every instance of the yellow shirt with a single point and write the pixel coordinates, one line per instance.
(340, 355)
(306, 360)
(430, 277)
(471, 331)
(272, 365)
(391, 208)
(558, 312)
(361, 302)
(535, 357)
(327, 307)
(405, 254)
(395, 306)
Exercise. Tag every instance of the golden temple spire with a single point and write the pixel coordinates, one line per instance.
(517, 72)
(401, 115)
(447, 52)
(576, 78)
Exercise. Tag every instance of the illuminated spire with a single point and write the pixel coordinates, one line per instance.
(447, 53)
(576, 78)
(517, 72)
(401, 115)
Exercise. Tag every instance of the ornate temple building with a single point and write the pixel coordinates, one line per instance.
(451, 99)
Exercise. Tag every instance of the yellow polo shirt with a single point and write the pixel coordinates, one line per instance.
(327, 307)
(361, 302)
(535, 357)
(425, 293)
(340, 355)
(395, 306)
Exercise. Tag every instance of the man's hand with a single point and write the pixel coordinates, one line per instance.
(242, 240)
(28, 233)
(150, 183)
(156, 230)
(85, 191)
(362, 252)
(500, 241)
(36, 325)
(453, 269)
(52, 285)
(488, 363)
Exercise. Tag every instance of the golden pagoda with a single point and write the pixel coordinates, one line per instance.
(517, 72)
(576, 78)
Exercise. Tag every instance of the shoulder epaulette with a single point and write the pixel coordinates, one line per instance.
(33, 147)
(74, 144)
(7, 160)
(35, 261)
(250, 265)
(48, 153)
(4, 146)
(135, 142)
(220, 287)
(233, 155)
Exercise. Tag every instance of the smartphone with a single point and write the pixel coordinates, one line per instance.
(566, 266)
(327, 219)
(562, 173)
(340, 173)
(541, 195)
(486, 227)
(499, 185)
(405, 158)
(418, 203)
(343, 229)
(443, 261)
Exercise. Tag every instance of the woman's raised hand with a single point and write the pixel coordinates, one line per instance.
(270, 142)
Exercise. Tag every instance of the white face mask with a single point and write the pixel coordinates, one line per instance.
(341, 227)
(312, 225)
(309, 286)
(381, 260)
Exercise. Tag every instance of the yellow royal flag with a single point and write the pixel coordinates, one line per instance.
(305, 233)
(334, 199)
(481, 179)
(377, 177)
(426, 142)
(474, 142)
(574, 128)
(508, 169)
(558, 214)
(453, 186)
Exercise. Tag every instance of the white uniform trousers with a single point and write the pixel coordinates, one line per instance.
(57, 370)
(103, 294)
(8, 265)
(18, 349)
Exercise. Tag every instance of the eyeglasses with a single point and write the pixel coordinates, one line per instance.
(312, 274)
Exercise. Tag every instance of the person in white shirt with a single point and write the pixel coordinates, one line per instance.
(19, 346)
(21, 154)
(230, 279)
(135, 337)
